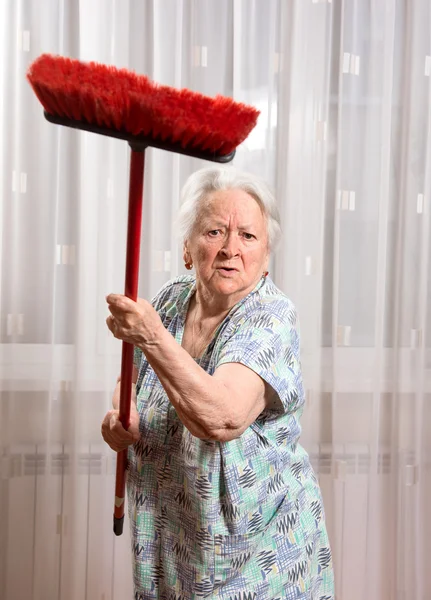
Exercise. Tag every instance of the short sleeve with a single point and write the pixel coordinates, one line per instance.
(268, 343)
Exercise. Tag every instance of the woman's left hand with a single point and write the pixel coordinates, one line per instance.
(137, 323)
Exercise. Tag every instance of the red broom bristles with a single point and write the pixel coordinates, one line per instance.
(122, 100)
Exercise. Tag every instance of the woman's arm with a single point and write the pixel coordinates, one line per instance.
(213, 407)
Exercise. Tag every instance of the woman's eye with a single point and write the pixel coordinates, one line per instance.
(248, 236)
(214, 232)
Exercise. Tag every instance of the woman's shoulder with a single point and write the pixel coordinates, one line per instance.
(172, 290)
(268, 303)
(176, 285)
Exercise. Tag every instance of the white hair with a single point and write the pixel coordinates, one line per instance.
(210, 179)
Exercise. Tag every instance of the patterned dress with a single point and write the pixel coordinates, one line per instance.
(238, 520)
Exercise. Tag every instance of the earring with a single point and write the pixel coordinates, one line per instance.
(266, 273)
(188, 266)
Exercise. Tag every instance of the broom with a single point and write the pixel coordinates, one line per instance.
(121, 104)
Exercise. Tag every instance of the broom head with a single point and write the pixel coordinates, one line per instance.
(119, 103)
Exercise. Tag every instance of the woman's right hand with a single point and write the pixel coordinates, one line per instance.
(113, 431)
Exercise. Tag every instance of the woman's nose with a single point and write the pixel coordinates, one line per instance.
(230, 247)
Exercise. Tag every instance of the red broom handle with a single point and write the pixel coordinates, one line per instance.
(131, 291)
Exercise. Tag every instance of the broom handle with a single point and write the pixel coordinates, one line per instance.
(131, 291)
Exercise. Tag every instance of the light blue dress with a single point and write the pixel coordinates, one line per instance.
(238, 520)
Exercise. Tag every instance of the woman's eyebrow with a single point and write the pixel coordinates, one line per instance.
(214, 223)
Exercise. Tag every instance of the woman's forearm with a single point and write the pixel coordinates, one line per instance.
(202, 402)
(217, 407)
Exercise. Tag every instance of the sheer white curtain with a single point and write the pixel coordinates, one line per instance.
(344, 137)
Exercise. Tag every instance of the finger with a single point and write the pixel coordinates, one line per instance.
(107, 417)
(121, 303)
(116, 446)
(118, 430)
(116, 443)
(106, 433)
(105, 427)
(115, 423)
(116, 311)
(112, 298)
(117, 440)
(112, 326)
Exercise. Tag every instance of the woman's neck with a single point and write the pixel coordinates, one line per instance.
(212, 307)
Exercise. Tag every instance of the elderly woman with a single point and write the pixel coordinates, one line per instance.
(223, 502)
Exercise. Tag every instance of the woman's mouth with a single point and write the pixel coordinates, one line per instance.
(226, 270)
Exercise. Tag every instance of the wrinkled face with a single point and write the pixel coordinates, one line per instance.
(229, 244)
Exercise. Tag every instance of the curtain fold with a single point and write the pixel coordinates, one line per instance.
(344, 138)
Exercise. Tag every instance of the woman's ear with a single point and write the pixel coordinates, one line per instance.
(186, 253)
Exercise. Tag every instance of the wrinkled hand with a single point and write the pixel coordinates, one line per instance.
(137, 323)
(114, 433)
